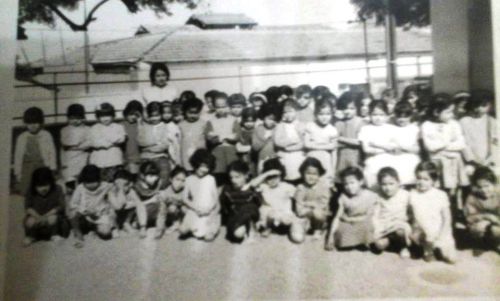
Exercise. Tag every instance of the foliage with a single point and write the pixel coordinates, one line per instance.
(407, 13)
(45, 11)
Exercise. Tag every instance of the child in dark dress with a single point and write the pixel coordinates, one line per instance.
(240, 206)
(44, 204)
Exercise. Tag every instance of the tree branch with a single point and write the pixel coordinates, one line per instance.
(76, 27)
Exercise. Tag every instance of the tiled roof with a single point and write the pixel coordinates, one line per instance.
(223, 19)
(224, 45)
(185, 44)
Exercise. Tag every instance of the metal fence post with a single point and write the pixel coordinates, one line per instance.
(56, 95)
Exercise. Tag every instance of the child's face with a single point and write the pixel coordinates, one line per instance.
(33, 128)
(364, 109)
(160, 78)
(270, 121)
(249, 124)
(289, 114)
(460, 109)
(178, 181)
(192, 115)
(133, 117)
(352, 185)
(281, 98)
(482, 110)
(446, 115)
(378, 117)
(123, 184)
(486, 188)
(350, 111)
(154, 118)
(424, 181)
(238, 179)
(178, 116)
(92, 186)
(202, 170)
(42, 190)
(412, 97)
(403, 121)
(389, 186)
(236, 110)
(209, 103)
(105, 120)
(75, 121)
(304, 100)
(391, 103)
(221, 107)
(311, 176)
(151, 180)
(273, 181)
(167, 114)
(257, 104)
(324, 116)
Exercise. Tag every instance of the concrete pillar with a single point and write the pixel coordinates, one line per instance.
(8, 22)
(480, 45)
(450, 42)
(495, 17)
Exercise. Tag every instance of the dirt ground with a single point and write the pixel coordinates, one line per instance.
(128, 268)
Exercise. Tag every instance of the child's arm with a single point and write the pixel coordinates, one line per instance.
(352, 142)
(280, 138)
(457, 144)
(330, 238)
(19, 154)
(432, 142)
(311, 144)
(254, 183)
(258, 140)
(299, 197)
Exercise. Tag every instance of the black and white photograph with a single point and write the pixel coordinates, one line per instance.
(250, 150)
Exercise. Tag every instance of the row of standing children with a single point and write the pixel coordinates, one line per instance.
(337, 139)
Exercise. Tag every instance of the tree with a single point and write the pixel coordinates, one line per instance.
(44, 11)
(406, 13)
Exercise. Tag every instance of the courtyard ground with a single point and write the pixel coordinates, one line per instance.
(128, 268)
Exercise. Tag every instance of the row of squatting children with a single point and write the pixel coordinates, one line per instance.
(388, 217)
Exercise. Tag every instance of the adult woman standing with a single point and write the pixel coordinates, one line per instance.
(158, 90)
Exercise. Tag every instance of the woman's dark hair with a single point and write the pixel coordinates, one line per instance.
(33, 115)
(202, 156)
(483, 173)
(345, 99)
(321, 104)
(192, 103)
(358, 100)
(177, 170)
(133, 107)
(440, 102)
(239, 166)
(248, 114)
(319, 92)
(105, 109)
(274, 163)
(430, 167)
(311, 162)
(387, 172)
(267, 110)
(237, 99)
(149, 168)
(154, 107)
(301, 90)
(188, 94)
(154, 68)
(378, 104)
(351, 171)
(76, 110)
(403, 109)
(40, 177)
(90, 174)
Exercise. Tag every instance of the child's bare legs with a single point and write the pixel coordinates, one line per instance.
(397, 238)
(240, 232)
(104, 230)
(77, 230)
(318, 222)
(297, 231)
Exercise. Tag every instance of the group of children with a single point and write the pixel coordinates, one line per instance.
(361, 172)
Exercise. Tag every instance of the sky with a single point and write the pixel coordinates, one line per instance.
(114, 21)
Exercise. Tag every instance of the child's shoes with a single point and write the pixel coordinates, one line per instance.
(143, 233)
(56, 238)
(404, 253)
